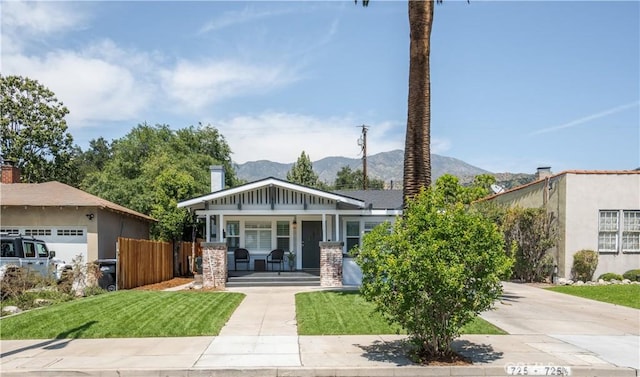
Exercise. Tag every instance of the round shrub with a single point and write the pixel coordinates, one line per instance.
(610, 276)
(584, 265)
(633, 275)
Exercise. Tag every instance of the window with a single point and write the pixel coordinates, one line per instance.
(369, 225)
(70, 232)
(41, 250)
(29, 249)
(37, 232)
(282, 235)
(257, 235)
(614, 235)
(353, 234)
(631, 231)
(233, 235)
(608, 231)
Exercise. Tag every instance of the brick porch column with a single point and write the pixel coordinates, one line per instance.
(214, 265)
(331, 264)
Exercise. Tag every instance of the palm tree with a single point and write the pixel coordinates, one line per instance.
(417, 150)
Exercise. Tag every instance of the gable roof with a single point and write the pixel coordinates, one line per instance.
(377, 199)
(271, 181)
(56, 194)
(566, 172)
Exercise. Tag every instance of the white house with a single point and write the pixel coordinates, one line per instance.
(275, 214)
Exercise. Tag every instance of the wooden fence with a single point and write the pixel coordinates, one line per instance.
(185, 252)
(142, 262)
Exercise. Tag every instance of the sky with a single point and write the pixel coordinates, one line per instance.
(515, 84)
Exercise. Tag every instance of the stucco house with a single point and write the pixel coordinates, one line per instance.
(595, 210)
(70, 220)
(275, 214)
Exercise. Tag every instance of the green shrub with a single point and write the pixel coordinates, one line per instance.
(633, 275)
(433, 270)
(585, 263)
(610, 276)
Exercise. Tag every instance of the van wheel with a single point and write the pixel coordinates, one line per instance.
(111, 288)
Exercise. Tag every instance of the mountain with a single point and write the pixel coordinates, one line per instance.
(386, 166)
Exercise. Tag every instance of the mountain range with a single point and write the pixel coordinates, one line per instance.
(386, 166)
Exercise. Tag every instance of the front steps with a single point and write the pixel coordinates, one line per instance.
(272, 279)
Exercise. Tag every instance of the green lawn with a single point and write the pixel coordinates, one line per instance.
(129, 314)
(347, 313)
(619, 294)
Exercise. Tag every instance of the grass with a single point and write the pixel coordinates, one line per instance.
(619, 294)
(347, 313)
(131, 314)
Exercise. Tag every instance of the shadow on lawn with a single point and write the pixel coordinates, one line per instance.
(55, 343)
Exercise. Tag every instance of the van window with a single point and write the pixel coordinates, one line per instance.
(29, 249)
(41, 249)
(7, 249)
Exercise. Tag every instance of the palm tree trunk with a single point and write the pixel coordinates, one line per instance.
(417, 151)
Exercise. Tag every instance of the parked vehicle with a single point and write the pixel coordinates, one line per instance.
(32, 254)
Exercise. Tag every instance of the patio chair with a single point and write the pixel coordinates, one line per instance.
(276, 257)
(240, 256)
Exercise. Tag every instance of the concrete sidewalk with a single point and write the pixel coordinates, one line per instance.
(260, 340)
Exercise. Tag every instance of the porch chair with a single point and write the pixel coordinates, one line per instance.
(276, 257)
(240, 256)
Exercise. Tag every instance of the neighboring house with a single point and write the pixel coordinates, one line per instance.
(271, 213)
(595, 210)
(70, 220)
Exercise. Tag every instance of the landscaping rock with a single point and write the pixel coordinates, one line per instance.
(42, 302)
(11, 309)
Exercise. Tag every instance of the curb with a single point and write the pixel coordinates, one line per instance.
(485, 371)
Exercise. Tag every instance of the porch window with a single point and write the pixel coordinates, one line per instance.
(233, 235)
(631, 231)
(608, 231)
(353, 234)
(283, 235)
(369, 225)
(257, 235)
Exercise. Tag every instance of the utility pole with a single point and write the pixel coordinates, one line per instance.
(362, 142)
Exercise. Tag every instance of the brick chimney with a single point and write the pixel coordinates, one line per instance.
(10, 173)
(543, 172)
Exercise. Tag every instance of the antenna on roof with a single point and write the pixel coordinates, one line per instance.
(496, 188)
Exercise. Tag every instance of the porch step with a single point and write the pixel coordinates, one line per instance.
(271, 279)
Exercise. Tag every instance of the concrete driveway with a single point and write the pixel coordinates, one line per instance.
(611, 332)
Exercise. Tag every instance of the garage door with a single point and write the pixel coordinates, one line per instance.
(67, 242)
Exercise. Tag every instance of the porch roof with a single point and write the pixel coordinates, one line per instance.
(271, 182)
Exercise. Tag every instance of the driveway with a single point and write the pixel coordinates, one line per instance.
(611, 332)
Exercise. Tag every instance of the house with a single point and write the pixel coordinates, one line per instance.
(595, 210)
(70, 220)
(275, 214)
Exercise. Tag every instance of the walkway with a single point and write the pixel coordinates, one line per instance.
(547, 329)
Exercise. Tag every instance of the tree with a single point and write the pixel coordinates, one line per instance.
(93, 159)
(154, 167)
(529, 234)
(302, 173)
(34, 132)
(449, 187)
(348, 179)
(417, 149)
(433, 270)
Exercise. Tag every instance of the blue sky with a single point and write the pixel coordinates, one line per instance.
(515, 85)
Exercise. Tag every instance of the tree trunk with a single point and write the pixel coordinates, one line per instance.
(417, 150)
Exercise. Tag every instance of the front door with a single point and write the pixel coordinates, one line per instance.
(311, 238)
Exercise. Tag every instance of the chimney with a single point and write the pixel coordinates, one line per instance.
(10, 173)
(217, 177)
(543, 172)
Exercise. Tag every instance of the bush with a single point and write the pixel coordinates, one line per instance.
(585, 263)
(433, 271)
(633, 275)
(529, 234)
(610, 276)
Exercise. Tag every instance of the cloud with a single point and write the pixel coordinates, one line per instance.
(248, 14)
(587, 118)
(281, 137)
(41, 18)
(194, 85)
(97, 84)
